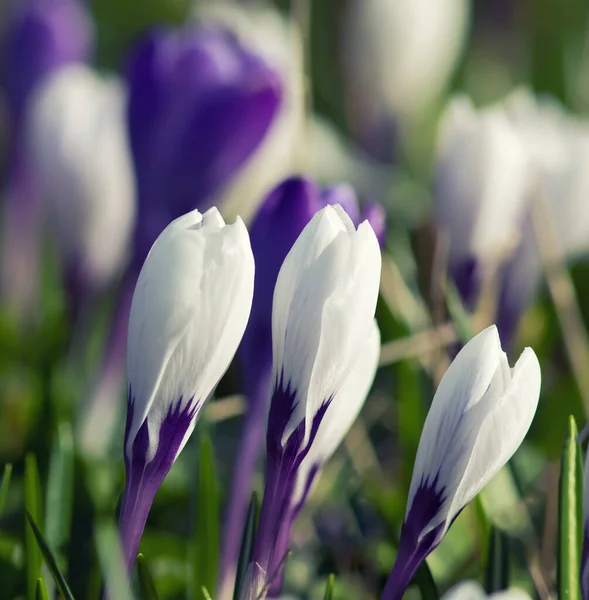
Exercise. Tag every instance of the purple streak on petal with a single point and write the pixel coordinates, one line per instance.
(467, 278)
(375, 214)
(413, 546)
(144, 478)
(199, 105)
(42, 36)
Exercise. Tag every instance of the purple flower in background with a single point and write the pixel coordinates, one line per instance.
(200, 104)
(479, 416)
(42, 36)
(585, 553)
(281, 218)
(188, 314)
(322, 313)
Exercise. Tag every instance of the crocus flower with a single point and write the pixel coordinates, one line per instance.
(200, 103)
(471, 590)
(479, 416)
(281, 218)
(188, 314)
(41, 37)
(322, 313)
(480, 192)
(585, 554)
(78, 155)
(398, 57)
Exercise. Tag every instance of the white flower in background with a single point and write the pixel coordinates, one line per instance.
(78, 153)
(480, 191)
(323, 310)
(277, 39)
(471, 590)
(189, 311)
(339, 416)
(399, 54)
(479, 416)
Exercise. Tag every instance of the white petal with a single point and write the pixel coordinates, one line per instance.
(324, 304)
(78, 153)
(342, 411)
(479, 416)
(467, 590)
(189, 312)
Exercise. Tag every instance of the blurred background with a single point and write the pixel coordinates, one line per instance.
(465, 121)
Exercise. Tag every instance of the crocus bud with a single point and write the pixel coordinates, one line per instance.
(42, 36)
(78, 155)
(281, 217)
(188, 314)
(199, 105)
(479, 416)
(399, 55)
(480, 189)
(471, 590)
(322, 313)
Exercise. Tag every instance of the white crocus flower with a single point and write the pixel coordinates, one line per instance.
(78, 153)
(188, 315)
(479, 416)
(323, 308)
(471, 590)
(339, 416)
(480, 191)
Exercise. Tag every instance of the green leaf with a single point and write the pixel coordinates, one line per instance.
(247, 545)
(146, 584)
(33, 507)
(111, 561)
(58, 511)
(205, 593)
(497, 572)
(4, 486)
(50, 561)
(329, 587)
(570, 517)
(206, 519)
(425, 582)
(41, 590)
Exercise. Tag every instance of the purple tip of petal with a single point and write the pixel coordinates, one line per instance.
(42, 36)
(200, 104)
(145, 477)
(375, 214)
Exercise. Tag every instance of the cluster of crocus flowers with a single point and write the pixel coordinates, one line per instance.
(479, 416)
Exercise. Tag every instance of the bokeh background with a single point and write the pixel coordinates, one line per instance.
(369, 92)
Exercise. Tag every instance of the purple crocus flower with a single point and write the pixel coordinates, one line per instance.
(322, 313)
(42, 36)
(281, 218)
(188, 314)
(200, 104)
(479, 416)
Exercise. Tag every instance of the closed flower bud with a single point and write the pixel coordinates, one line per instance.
(199, 106)
(78, 154)
(480, 190)
(479, 416)
(188, 314)
(322, 314)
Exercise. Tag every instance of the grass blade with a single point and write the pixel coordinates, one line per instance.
(329, 588)
(41, 590)
(146, 584)
(50, 561)
(247, 545)
(497, 572)
(426, 583)
(206, 519)
(4, 486)
(33, 507)
(570, 517)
